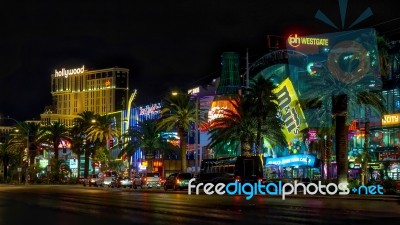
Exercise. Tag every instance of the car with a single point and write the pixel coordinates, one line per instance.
(177, 181)
(137, 181)
(93, 180)
(150, 180)
(124, 182)
(108, 178)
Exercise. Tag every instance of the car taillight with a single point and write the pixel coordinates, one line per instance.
(177, 181)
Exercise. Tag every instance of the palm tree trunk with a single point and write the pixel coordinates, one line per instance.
(56, 167)
(245, 146)
(78, 166)
(341, 148)
(86, 169)
(5, 171)
(328, 157)
(183, 144)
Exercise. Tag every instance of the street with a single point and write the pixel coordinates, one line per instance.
(75, 204)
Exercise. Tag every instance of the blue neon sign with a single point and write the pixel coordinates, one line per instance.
(292, 160)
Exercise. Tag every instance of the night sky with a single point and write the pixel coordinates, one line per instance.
(165, 44)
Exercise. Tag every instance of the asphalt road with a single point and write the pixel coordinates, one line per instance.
(75, 204)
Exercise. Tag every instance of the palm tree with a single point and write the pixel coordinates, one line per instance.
(35, 131)
(103, 131)
(345, 98)
(263, 104)
(83, 122)
(54, 134)
(145, 135)
(9, 152)
(235, 124)
(178, 112)
(77, 146)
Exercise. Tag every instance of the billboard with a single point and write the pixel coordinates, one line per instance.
(342, 62)
(290, 111)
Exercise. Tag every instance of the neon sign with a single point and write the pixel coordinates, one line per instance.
(150, 109)
(296, 41)
(293, 160)
(391, 119)
(65, 73)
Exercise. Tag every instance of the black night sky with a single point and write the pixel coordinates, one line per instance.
(165, 44)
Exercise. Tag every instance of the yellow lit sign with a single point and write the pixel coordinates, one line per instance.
(68, 72)
(296, 41)
(391, 119)
(289, 110)
(218, 108)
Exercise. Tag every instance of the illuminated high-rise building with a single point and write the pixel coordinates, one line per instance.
(74, 91)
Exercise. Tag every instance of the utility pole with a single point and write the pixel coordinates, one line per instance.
(196, 136)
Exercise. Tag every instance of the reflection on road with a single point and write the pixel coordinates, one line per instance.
(84, 205)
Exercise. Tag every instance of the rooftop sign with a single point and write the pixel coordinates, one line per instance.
(65, 73)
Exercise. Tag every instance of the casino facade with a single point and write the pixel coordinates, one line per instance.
(79, 89)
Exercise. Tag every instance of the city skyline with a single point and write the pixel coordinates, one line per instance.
(163, 45)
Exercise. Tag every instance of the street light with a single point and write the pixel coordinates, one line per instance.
(27, 145)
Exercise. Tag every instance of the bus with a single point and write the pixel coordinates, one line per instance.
(230, 169)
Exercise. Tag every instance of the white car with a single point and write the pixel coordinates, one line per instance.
(108, 178)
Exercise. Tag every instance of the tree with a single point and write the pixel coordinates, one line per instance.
(145, 135)
(178, 112)
(82, 124)
(345, 97)
(263, 104)
(103, 131)
(54, 134)
(235, 124)
(10, 150)
(77, 146)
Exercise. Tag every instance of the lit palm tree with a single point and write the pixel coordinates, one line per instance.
(83, 122)
(10, 152)
(235, 124)
(344, 98)
(103, 131)
(77, 146)
(146, 136)
(54, 134)
(178, 112)
(263, 105)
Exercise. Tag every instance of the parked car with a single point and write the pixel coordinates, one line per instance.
(177, 181)
(150, 180)
(93, 180)
(123, 182)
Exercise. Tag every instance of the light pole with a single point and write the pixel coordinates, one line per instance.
(27, 146)
(196, 136)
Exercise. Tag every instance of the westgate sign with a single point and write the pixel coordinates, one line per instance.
(65, 73)
(296, 41)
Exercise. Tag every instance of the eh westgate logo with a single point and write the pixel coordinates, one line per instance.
(279, 188)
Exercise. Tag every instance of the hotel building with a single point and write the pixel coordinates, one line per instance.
(80, 89)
